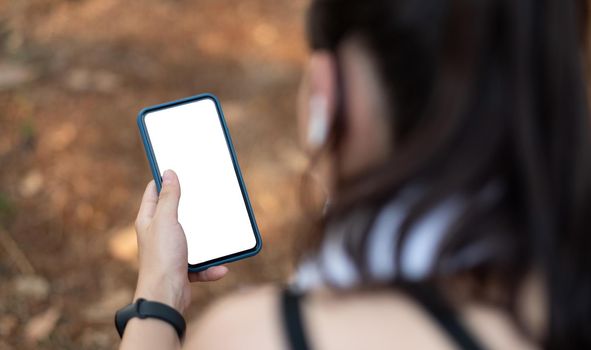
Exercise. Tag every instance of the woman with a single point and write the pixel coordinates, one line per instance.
(453, 138)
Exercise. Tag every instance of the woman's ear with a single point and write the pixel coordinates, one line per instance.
(317, 100)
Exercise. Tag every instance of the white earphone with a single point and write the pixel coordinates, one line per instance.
(318, 121)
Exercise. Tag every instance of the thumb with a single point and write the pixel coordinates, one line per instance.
(168, 202)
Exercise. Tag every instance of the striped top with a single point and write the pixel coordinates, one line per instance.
(333, 267)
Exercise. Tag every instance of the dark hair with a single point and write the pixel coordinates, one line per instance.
(490, 91)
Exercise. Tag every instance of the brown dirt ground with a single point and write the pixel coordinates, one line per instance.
(73, 75)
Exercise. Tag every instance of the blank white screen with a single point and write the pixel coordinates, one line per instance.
(189, 139)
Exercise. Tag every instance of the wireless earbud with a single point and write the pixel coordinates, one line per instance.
(318, 121)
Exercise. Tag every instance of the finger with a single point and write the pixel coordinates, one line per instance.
(168, 202)
(212, 274)
(148, 204)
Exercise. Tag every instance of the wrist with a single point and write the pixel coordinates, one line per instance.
(146, 311)
(162, 290)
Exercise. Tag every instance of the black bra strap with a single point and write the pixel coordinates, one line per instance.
(431, 300)
(292, 318)
(426, 296)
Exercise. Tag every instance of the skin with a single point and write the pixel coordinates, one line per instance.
(163, 259)
(251, 320)
(368, 138)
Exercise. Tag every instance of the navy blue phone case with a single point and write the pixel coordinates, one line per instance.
(156, 174)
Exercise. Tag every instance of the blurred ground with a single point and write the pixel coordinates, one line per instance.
(73, 75)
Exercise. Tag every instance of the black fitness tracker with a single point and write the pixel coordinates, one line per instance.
(143, 308)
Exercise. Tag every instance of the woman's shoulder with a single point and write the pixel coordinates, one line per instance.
(252, 319)
(242, 320)
(371, 320)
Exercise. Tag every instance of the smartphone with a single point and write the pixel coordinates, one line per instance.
(190, 136)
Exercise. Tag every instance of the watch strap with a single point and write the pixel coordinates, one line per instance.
(143, 308)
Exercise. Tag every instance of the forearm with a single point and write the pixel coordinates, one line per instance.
(149, 334)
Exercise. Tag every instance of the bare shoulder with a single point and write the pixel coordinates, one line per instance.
(370, 320)
(251, 319)
(242, 320)
(359, 320)
(381, 319)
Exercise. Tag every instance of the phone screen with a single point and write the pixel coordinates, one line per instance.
(191, 139)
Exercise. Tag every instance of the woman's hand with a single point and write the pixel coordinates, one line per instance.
(163, 274)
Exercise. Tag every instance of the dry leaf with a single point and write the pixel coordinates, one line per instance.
(40, 326)
(123, 245)
(31, 184)
(60, 137)
(31, 287)
(14, 74)
(105, 309)
(81, 79)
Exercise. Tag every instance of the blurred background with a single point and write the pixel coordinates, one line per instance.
(73, 75)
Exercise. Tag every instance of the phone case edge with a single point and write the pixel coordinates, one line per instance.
(156, 174)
